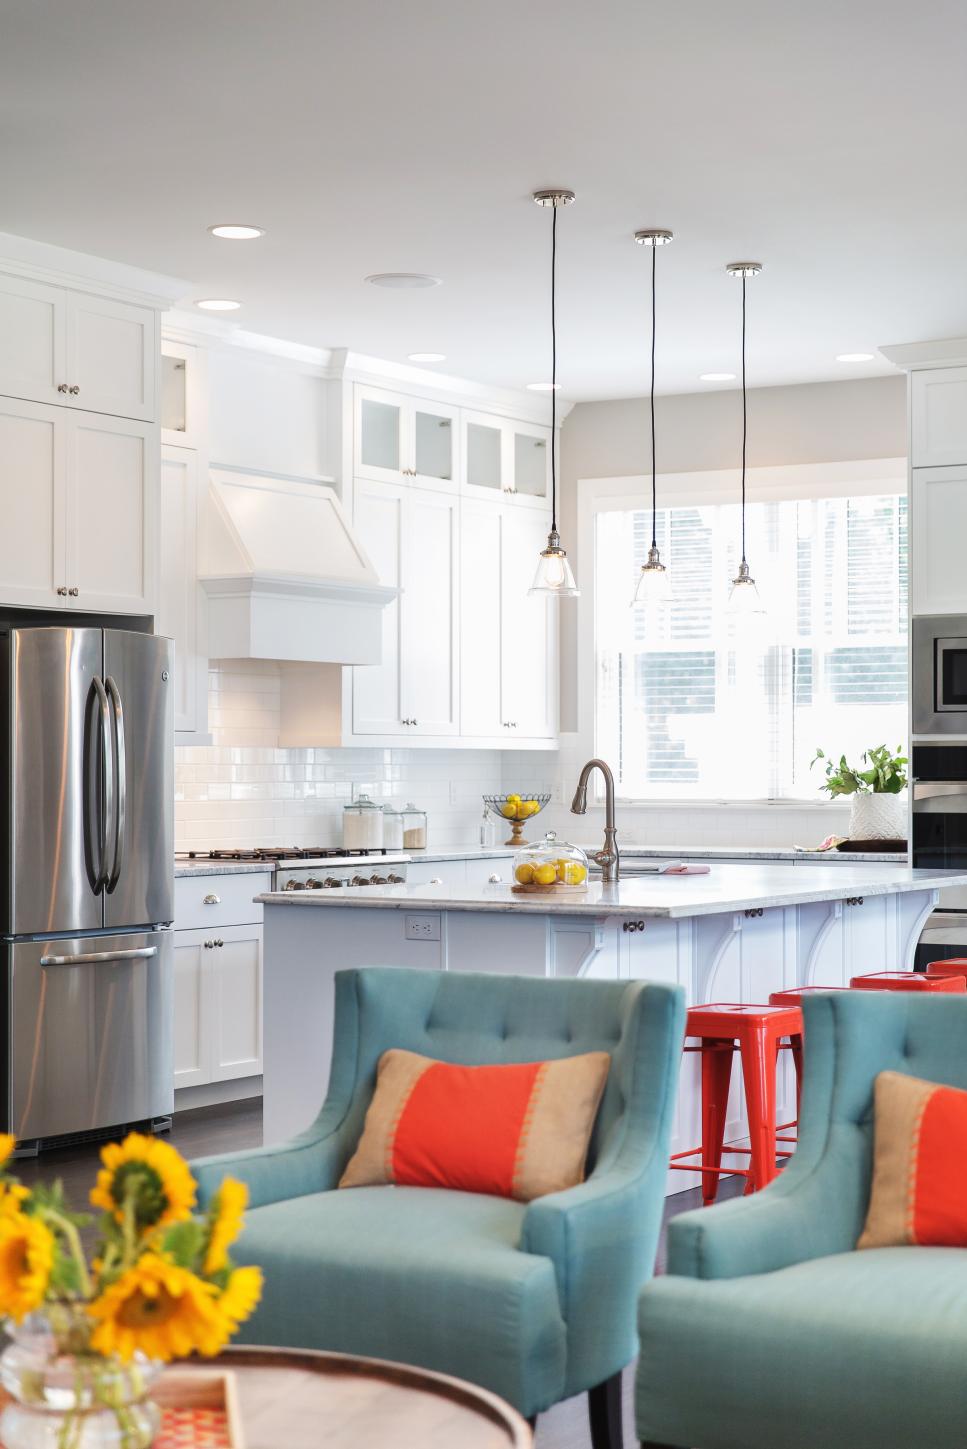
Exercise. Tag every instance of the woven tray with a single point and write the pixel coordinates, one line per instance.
(199, 1410)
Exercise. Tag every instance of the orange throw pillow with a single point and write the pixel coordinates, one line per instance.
(919, 1191)
(512, 1131)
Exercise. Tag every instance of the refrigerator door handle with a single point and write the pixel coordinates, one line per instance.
(90, 958)
(120, 781)
(103, 776)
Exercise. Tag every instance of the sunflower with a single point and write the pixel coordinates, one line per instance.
(230, 1203)
(12, 1197)
(7, 1144)
(161, 1309)
(150, 1174)
(26, 1261)
(240, 1295)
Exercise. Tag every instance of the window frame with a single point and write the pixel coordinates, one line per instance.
(844, 479)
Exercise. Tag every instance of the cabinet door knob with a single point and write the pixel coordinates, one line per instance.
(73, 593)
(63, 591)
(211, 899)
(62, 387)
(208, 945)
(219, 942)
(73, 391)
(435, 880)
(495, 879)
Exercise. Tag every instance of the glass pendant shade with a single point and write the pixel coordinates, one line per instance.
(653, 582)
(744, 598)
(554, 572)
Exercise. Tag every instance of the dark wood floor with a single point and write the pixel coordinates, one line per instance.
(238, 1126)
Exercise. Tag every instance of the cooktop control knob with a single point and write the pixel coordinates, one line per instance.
(312, 884)
(359, 880)
(394, 879)
(293, 885)
(377, 880)
(330, 882)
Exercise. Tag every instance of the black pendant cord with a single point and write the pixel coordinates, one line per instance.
(553, 368)
(744, 418)
(654, 471)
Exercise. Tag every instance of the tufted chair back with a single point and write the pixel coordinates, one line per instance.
(850, 1038)
(477, 1019)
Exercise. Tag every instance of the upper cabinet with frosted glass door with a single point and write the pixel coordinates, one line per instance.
(399, 438)
(506, 461)
(76, 349)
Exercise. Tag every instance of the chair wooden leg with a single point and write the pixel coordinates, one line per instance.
(604, 1414)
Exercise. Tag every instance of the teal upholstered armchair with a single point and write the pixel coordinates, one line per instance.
(771, 1331)
(534, 1301)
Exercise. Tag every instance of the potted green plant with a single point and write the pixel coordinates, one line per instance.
(878, 806)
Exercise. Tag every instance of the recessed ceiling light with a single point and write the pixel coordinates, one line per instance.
(218, 304)
(544, 386)
(426, 356)
(716, 377)
(403, 279)
(854, 357)
(234, 231)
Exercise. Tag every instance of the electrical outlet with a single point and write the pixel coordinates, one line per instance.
(454, 793)
(422, 928)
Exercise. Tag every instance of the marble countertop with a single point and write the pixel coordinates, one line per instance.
(727, 887)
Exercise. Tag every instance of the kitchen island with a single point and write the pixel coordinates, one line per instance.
(735, 934)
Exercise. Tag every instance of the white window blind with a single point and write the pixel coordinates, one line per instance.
(692, 706)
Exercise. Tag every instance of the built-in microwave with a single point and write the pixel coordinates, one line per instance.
(939, 675)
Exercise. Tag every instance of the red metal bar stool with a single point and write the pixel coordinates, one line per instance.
(953, 966)
(757, 1032)
(907, 981)
(793, 997)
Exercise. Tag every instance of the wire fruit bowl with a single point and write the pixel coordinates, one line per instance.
(516, 809)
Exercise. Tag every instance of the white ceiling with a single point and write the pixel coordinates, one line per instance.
(826, 139)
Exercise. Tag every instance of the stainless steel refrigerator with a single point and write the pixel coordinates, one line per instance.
(86, 908)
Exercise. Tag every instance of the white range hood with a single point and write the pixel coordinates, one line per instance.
(286, 577)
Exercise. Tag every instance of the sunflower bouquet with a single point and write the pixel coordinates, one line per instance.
(89, 1337)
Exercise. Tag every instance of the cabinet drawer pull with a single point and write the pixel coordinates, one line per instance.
(211, 899)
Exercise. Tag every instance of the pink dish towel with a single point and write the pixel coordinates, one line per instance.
(686, 870)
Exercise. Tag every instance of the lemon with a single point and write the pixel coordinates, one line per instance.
(524, 873)
(545, 874)
(531, 807)
(513, 799)
(574, 872)
(508, 811)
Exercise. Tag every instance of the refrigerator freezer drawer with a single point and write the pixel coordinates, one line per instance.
(90, 1033)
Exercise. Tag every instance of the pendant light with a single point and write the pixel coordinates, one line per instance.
(553, 570)
(744, 599)
(652, 587)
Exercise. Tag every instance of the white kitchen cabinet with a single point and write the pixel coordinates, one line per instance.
(938, 525)
(938, 417)
(217, 1005)
(32, 340)
(399, 437)
(506, 461)
(33, 563)
(183, 394)
(112, 513)
(411, 536)
(508, 688)
(78, 497)
(180, 599)
(235, 984)
(76, 349)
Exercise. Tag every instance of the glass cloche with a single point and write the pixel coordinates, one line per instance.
(550, 865)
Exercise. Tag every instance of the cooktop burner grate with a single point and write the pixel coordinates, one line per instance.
(278, 853)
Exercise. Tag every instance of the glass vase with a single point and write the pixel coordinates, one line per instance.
(63, 1396)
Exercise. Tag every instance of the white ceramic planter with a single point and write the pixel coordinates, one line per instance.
(878, 817)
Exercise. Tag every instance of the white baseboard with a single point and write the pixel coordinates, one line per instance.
(214, 1093)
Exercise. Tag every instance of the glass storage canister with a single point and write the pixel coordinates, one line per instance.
(549, 867)
(392, 828)
(414, 828)
(362, 824)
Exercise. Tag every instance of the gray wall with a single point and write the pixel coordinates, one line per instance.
(813, 423)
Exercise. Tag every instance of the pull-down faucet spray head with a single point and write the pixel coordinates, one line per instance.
(579, 805)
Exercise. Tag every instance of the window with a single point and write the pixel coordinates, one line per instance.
(691, 705)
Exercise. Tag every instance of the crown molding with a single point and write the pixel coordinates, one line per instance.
(80, 272)
(911, 356)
